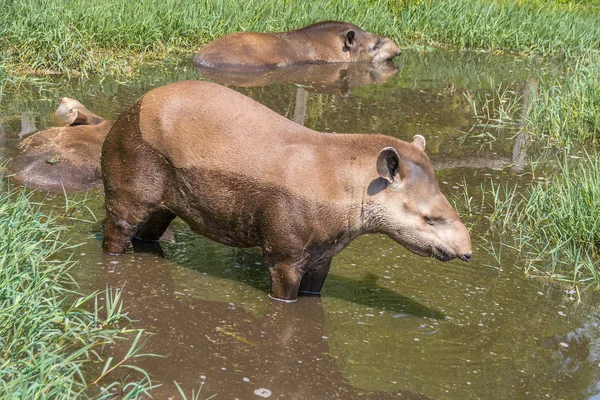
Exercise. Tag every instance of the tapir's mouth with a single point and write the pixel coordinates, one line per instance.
(439, 253)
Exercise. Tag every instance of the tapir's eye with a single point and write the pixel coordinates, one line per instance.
(433, 221)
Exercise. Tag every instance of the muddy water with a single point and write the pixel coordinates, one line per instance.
(389, 324)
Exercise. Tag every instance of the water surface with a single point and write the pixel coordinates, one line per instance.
(390, 324)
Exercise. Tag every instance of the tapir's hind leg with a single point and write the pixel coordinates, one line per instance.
(134, 179)
(130, 211)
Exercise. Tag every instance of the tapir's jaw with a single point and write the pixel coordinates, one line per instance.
(444, 254)
(438, 251)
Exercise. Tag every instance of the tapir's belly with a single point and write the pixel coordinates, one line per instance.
(225, 208)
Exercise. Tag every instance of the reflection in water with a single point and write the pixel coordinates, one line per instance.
(284, 351)
(337, 78)
(519, 154)
(300, 106)
(27, 125)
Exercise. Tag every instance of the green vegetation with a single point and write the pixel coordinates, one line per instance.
(50, 337)
(82, 37)
(555, 224)
(566, 111)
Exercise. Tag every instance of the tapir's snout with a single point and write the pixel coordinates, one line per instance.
(463, 243)
(385, 49)
(456, 240)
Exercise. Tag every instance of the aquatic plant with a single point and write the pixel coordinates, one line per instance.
(51, 337)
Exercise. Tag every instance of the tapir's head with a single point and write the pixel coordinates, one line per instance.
(409, 207)
(74, 113)
(366, 46)
(351, 42)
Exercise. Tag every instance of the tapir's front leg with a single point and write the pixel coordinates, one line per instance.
(285, 277)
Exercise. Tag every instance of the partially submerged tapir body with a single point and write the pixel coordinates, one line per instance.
(323, 42)
(66, 157)
(243, 175)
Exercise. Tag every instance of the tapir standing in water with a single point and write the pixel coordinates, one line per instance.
(243, 175)
(323, 42)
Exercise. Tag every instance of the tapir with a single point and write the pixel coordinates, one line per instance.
(65, 157)
(322, 42)
(243, 175)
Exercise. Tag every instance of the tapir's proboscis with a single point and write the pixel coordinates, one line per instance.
(243, 175)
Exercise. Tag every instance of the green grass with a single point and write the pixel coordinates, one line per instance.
(567, 111)
(107, 36)
(51, 338)
(554, 224)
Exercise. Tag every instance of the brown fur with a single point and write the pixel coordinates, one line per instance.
(323, 42)
(63, 158)
(243, 175)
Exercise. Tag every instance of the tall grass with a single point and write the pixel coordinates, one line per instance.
(83, 37)
(554, 224)
(568, 110)
(562, 111)
(49, 334)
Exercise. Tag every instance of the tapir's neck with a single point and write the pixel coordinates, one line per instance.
(351, 160)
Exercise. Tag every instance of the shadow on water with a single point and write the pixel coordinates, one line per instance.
(284, 351)
(248, 268)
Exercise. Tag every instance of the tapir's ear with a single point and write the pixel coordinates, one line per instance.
(349, 39)
(419, 142)
(71, 117)
(74, 113)
(388, 164)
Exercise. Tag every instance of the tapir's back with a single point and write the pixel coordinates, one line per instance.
(196, 123)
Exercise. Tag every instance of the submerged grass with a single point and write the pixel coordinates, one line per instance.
(50, 335)
(82, 37)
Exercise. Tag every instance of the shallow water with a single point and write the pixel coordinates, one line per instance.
(390, 324)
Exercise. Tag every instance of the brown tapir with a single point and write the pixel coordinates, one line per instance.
(323, 42)
(63, 158)
(243, 175)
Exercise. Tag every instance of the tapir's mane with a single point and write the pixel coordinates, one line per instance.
(327, 25)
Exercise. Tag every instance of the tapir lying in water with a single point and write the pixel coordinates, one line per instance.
(323, 42)
(243, 175)
(66, 157)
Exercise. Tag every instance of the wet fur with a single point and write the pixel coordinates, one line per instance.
(323, 42)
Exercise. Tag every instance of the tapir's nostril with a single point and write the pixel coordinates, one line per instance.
(466, 257)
